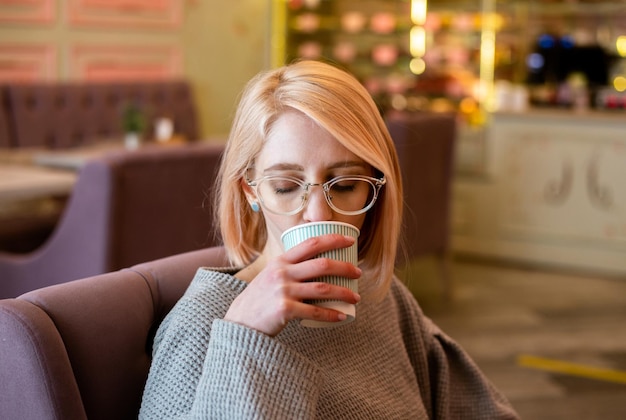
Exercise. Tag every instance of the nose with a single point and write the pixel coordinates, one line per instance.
(316, 208)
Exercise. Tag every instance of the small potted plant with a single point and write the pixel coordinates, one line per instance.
(133, 124)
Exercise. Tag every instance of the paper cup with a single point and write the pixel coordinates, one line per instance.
(293, 236)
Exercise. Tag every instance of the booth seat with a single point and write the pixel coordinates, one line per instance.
(72, 114)
(5, 134)
(425, 142)
(127, 207)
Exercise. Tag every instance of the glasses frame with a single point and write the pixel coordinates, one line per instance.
(376, 183)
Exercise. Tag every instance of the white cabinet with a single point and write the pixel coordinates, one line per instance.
(555, 194)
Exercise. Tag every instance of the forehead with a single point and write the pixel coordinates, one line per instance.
(296, 139)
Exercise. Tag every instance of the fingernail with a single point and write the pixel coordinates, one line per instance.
(350, 238)
(342, 316)
(357, 297)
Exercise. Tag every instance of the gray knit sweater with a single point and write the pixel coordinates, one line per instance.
(390, 363)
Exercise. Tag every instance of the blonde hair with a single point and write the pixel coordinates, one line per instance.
(337, 102)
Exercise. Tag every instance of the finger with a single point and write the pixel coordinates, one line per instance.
(311, 247)
(317, 313)
(317, 267)
(320, 290)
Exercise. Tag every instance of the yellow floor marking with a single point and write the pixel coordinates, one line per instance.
(572, 369)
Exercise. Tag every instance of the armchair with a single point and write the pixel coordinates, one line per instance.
(82, 349)
(126, 208)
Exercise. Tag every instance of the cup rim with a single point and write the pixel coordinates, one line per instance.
(326, 222)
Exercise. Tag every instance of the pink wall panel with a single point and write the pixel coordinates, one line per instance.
(120, 62)
(126, 13)
(27, 11)
(27, 63)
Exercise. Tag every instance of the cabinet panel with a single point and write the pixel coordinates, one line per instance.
(556, 194)
(563, 183)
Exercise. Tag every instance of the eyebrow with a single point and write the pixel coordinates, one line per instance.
(296, 167)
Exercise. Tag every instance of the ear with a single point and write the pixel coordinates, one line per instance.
(247, 190)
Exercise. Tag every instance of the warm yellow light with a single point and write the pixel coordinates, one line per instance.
(487, 55)
(620, 44)
(418, 12)
(468, 105)
(619, 83)
(417, 65)
(494, 21)
(417, 41)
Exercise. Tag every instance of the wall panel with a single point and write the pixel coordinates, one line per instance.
(27, 11)
(27, 62)
(122, 62)
(125, 13)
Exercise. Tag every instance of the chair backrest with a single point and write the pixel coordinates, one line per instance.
(61, 115)
(82, 349)
(425, 143)
(126, 208)
(5, 129)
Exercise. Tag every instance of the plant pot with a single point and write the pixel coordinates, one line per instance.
(131, 141)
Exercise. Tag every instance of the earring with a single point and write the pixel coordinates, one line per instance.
(255, 206)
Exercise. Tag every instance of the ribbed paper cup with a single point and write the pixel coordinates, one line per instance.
(293, 236)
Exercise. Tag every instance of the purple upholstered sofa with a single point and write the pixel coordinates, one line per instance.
(126, 208)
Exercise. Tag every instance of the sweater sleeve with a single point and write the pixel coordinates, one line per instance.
(247, 374)
(451, 383)
(458, 386)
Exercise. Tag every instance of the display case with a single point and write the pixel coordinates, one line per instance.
(369, 38)
(470, 56)
(441, 60)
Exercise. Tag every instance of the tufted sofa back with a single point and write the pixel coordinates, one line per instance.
(61, 115)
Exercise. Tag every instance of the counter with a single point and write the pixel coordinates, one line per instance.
(551, 192)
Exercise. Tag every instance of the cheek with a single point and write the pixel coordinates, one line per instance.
(353, 220)
(276, 224)
(358, 221)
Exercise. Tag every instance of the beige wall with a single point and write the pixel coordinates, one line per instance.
(223, 44)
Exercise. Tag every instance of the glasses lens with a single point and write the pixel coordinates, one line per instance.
(351, 194)
(280, 195)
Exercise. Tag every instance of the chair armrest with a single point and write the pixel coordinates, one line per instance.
(34, 384)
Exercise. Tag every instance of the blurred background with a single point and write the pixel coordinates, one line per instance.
(535, 253)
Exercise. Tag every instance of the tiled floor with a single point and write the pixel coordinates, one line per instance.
(506, 316)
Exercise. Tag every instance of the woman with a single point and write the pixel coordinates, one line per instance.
(232, 348)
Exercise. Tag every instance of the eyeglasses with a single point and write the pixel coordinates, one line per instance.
(349, 195)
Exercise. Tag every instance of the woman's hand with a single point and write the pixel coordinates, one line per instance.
(275, 296)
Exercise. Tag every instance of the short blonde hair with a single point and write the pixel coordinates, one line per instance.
(337, 102)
